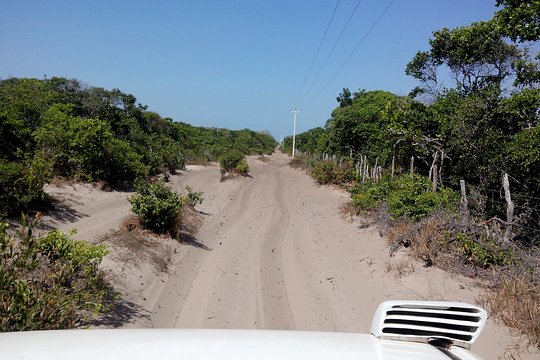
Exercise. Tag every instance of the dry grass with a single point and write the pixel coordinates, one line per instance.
(400, 268)
(426, 240)
(515, 301)
(264, 159)
(347, 211)
(138, 246)
(188, 221)
(299, 162)
(132, 223)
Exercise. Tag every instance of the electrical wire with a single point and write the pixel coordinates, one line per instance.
(331, 51)
(317, 52)
(355, 49)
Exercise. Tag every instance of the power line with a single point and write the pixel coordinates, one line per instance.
(331, 51)
(356, 48)
(317, 52)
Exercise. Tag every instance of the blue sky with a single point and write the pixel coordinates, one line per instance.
(229, 63)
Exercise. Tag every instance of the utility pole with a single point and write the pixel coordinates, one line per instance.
(294, 129)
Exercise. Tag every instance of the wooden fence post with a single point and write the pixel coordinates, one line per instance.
(464, 201)
(509, 208)
(435, 178)
(393, 162)
(412, 165)
(441, 167)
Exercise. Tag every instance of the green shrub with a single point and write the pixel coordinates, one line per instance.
(76, 145)
(193, 197)
(157, 205)
(49, 282)
(21, 184)
(323, 172)
(406, 196)
(370, 195)
(484, 252)
(233, 161)
(414, 198)
(242, 167)
(124, 165)
(328, 172)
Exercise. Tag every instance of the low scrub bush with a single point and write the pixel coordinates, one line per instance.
(123, 164)
(406, 196)
(370, 195)
(193, 197)
(328, 172)
(234, 162)
(50, 281)
(484, 251)
(21, 184)
(157, 205)
(412, 197)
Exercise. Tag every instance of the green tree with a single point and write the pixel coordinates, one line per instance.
(519, 19)
(76, 145)
(476, 56)
(359, 127)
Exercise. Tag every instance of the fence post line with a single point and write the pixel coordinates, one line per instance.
(509, 208)
(464, 201)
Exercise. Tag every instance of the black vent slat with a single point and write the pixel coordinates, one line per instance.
(425, 333)
(439, 325)
(423, 307)
(435, 315)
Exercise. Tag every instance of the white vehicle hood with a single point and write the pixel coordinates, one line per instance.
(211, 344)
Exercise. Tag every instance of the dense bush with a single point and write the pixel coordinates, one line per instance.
(413, 197)
(157, 205)
(328, 172)
(76, 145)
(406, 196)
(123, 165)
(50, 281)
(370, 195)
(21, 184)
(484, 253)
(234, 161)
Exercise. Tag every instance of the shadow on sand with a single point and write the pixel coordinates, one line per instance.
(121, 313)
(188, 239)
(63, 213)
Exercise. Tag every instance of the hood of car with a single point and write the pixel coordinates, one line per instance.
(211, 344)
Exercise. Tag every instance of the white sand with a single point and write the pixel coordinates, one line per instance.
(273, 253)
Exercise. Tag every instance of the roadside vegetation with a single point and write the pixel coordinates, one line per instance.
(406, 159)
(161, 210)
(234, 163)
(49, 281)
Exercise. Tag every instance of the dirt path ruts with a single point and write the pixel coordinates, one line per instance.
(274, 253)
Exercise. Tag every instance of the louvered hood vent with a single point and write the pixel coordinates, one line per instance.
(444, 322)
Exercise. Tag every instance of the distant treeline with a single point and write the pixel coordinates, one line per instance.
(61, 127)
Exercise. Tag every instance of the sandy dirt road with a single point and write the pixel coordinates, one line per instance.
(274, 253)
